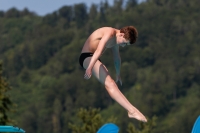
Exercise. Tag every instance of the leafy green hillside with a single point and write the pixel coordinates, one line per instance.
(160, 74)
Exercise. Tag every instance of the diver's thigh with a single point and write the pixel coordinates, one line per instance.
(86, 62)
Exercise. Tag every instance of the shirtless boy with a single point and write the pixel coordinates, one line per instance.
(98, 41)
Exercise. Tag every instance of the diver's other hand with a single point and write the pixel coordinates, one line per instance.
(88, 73)
(118, 78)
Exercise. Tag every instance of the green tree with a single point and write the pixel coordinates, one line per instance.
(143, 127)
(1, 13)
(80, 14)
(91, 121)
(13, 12)
(93, 11)
(66, 12)
(51, 19)
(5, 101)
(130, 4)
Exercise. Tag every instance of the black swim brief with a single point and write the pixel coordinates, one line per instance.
(83, 56)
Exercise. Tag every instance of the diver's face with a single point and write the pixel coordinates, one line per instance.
(121, 41)
(124, 43)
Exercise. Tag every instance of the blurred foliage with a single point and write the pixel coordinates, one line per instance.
(91, 121)
(143, 127)
(6, 105)
(160, 73)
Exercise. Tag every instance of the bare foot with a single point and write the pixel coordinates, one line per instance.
(137, 115)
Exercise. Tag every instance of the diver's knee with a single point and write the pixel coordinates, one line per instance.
(110, 85)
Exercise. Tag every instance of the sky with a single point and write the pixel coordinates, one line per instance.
(43, 7)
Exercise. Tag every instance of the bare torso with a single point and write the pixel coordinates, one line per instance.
(93, 40)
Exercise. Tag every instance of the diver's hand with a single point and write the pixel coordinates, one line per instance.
(118, 78)
(88, 73)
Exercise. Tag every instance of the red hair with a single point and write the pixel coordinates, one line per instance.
(130, 33)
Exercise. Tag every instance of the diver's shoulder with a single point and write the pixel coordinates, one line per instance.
(108, 30)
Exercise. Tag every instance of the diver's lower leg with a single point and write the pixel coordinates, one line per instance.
(116, 94)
